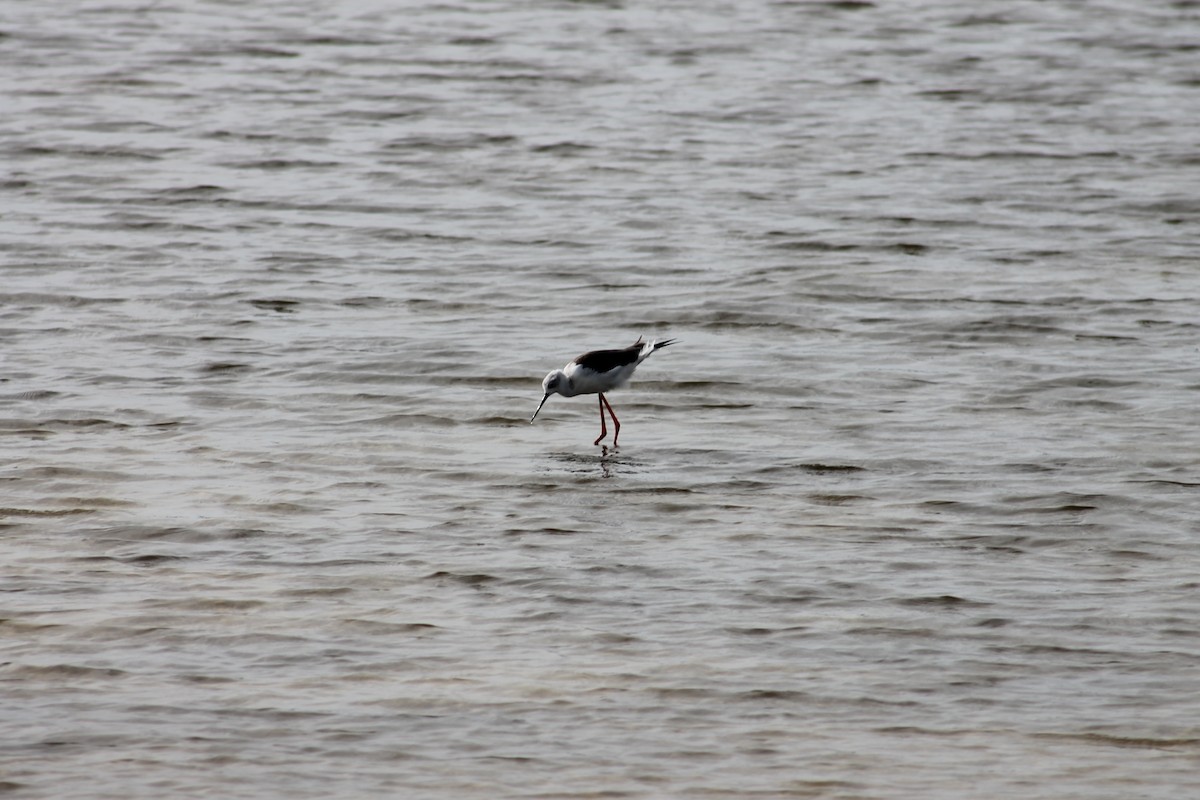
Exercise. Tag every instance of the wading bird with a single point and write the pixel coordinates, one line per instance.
(598, 372)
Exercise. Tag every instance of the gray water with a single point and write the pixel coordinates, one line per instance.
(911, 511)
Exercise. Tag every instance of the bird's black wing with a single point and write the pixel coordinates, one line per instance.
(605, 360)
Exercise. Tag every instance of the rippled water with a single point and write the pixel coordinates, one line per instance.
(910, 511)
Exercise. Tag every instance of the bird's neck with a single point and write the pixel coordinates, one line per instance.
(566, 386)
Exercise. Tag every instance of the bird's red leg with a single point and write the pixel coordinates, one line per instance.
(603, 427)
(616, 422)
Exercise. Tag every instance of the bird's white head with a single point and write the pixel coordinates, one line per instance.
(554, 383)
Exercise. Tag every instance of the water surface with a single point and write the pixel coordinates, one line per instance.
(910, 511)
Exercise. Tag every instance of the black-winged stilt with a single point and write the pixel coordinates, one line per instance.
(598, 372)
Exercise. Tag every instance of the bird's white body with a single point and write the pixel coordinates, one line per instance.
(579, 378)
(598, 372)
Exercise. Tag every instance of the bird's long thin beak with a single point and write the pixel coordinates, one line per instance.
(539, 408)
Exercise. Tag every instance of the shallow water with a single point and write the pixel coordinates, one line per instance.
(910, 511)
